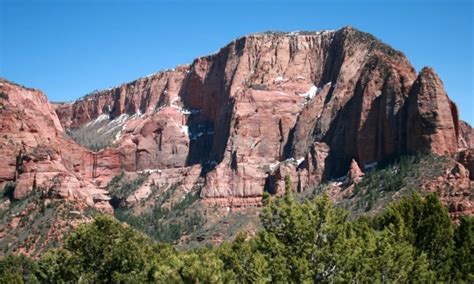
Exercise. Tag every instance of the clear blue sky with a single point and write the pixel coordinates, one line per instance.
(69, 48)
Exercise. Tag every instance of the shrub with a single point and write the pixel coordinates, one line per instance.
(311, 241)
(3, 96)
(260, 87)
(8, 190)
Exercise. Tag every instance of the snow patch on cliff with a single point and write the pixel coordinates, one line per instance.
(184, 129)
(100, 118)
(310, 93)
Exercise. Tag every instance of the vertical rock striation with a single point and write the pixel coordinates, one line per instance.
(304, 104)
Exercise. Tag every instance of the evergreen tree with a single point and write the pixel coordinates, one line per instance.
(111, 252)
(425, 224)
(311, 241)
(464, 242)
(18, 269)
(244, 260)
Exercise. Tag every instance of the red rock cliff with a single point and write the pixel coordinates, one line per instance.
(269, 105)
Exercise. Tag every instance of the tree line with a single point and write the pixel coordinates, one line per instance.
(413, 240)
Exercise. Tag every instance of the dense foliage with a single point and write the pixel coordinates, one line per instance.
(392, 177)
(162, 223)
(311, 241)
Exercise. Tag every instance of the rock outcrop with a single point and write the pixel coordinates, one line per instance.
(243, 114)
(313, 106)
(433, 122)
(355, 174)
(466, 158)
(466, 135)
(37, 155)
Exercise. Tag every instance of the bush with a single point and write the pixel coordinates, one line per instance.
(120, 187)
(3, 96)
(163, 224)
(18, 269)
(8, 190)
(260, 87)
(311, 241)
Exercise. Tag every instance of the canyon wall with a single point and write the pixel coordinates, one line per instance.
(308, 105)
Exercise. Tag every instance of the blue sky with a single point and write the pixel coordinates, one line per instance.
(69, 48)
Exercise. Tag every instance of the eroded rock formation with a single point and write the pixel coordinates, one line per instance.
(313, 106)
(37, 155)
(322, 99)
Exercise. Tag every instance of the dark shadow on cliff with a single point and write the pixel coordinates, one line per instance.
(212, 101)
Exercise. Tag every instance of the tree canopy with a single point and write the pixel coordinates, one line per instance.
(414, 240)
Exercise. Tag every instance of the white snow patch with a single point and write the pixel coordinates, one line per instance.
(149, 171)
(184, 129)
(112, 128)
(98, 119)
(137, 114)
(299, 161)
(172, 104)
(294, 161)
(117, 136)
(279, 79)
(310, 93)
(112, 125)
(274, 166)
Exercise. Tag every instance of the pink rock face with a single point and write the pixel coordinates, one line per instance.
(432, 118)
(466, 158)
(455, 191)
(466, 136)
(355, 173)
(312, 106)
(142, 95)
(35, 152)
(268, 98)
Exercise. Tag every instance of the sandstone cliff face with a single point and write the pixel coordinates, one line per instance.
(315, 106)
(269, 105)
(36, 154)
(433, 121)
(139, 96)
(466, 135)
(263, 107)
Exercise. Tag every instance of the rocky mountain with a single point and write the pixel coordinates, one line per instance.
(313, 106)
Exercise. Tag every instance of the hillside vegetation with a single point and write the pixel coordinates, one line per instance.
(310, 241)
